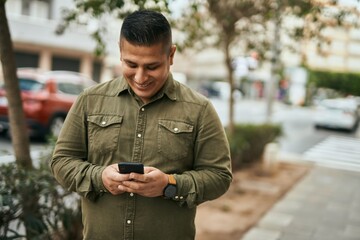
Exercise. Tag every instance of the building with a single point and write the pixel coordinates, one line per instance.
(341, 55)
(32, 25)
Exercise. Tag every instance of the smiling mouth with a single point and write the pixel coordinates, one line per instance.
(143, 85)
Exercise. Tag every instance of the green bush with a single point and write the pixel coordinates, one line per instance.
(346, 83)
(56, 214)
(248, 142)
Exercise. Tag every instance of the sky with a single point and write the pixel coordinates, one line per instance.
(351, 3)
(176, 6)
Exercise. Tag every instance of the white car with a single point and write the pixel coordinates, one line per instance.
(338, 113)
(223, 88)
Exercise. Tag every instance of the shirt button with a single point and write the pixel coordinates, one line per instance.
(103, 122)
(139, 135)
(128, 221)
(131, 194)
(176, 129)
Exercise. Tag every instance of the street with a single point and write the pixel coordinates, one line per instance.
(300, 137)
(297, 122)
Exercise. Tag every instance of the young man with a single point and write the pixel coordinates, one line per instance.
(147, 117)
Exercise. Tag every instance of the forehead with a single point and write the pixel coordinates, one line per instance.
(128, 49)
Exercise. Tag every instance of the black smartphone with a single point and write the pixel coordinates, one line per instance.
(129, 167)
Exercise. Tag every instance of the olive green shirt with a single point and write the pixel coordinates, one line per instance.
(178, 132)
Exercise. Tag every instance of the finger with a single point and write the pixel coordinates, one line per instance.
(134, 185)
(119, 177)
(116, 191)
(149, 169)
(137, 177)
(123, 188)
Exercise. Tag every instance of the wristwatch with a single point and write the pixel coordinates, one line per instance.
(170, 189)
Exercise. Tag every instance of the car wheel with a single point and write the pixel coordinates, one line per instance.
(354, 128)
(56, 125)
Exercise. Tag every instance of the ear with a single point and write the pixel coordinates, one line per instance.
(172, 54)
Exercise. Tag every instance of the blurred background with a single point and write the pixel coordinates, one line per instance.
(279, 68)
(295, 64)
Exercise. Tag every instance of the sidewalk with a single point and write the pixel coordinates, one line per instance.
(325, 205)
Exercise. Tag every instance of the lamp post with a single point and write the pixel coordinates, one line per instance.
(275, 64)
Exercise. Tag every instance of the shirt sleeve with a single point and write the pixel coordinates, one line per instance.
(69, 163)
(211, 175)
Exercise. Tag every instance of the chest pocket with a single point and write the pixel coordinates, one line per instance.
(103, 131)
(175, 139)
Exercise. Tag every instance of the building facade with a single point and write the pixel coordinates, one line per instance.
(32, 26)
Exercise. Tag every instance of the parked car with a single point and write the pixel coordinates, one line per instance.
(47, 98)
(219, 89)
(338, 113)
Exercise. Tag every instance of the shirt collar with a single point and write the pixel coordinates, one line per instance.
(122, 85)
(169, 88)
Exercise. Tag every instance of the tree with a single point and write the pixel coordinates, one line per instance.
(230, 21)
(100, 10)
(257, 25)
(19, 136)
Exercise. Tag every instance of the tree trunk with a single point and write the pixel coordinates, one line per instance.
(275, 65)
(229, 68)
(19, 136)
(20, 139)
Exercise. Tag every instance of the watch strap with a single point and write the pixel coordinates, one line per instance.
(171, 179)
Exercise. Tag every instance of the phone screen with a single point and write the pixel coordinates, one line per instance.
(129, 167)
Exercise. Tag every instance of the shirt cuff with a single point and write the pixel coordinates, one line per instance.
(186, 193)
(98, 184)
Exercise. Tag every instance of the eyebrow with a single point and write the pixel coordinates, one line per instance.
(148, 64)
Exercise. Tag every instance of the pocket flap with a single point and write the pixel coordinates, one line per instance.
(105, 120)
(176, 126)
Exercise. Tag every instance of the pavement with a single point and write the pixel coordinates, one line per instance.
(324, 205)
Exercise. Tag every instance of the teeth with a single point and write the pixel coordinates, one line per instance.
(142, 85)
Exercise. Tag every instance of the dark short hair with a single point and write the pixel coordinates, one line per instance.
(146, 28)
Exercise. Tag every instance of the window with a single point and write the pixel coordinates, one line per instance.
(70, 88)
(13, 7)
(36, 8)
(97, 71)
(64, 63)
(24, 59)
(30, 85)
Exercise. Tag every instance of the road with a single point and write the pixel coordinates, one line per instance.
(301, 141)
(299, 135)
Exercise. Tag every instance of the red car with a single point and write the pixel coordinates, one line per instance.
(47, 98)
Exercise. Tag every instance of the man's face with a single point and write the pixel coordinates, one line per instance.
(146, 68)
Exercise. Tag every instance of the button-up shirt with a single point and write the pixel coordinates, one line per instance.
(178, 132)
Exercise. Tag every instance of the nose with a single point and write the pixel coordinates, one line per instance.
(140, 76)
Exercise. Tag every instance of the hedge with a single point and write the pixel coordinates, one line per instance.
(248, 142)
(346, 83)
(57, 214)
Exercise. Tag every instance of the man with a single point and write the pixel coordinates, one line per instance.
(144, 116)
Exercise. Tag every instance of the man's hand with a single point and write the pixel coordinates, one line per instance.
(149, 184)
(112, 179)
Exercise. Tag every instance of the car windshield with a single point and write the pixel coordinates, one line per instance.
(70, 88)
(339, 105)
(30, 85)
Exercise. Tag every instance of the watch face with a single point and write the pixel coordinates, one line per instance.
(170, 191)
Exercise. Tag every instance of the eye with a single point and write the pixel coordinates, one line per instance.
(131, 65)
(152, 67)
